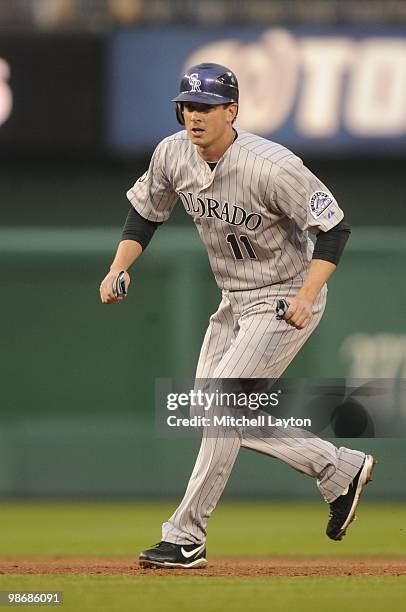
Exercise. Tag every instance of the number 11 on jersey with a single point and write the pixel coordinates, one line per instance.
(233, 241)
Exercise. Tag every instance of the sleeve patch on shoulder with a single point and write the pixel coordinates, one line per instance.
(319, 202)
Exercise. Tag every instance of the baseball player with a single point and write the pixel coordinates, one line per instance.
(253, 202)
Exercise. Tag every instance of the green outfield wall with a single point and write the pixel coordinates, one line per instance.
(78, 377)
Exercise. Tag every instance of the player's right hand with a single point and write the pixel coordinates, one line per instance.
(107, 294)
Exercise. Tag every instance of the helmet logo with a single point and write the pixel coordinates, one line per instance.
(194, 82)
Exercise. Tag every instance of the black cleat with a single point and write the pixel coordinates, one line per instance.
(166, 554)
(342, 510)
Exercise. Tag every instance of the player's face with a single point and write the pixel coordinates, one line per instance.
(208, 125)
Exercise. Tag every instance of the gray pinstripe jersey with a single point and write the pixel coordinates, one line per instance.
(253, 212)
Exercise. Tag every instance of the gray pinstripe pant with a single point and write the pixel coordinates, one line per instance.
(244, 340)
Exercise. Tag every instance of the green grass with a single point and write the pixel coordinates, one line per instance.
(170, 594)
(235, 529)
(258, 529)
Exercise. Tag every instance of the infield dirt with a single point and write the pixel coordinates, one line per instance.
(239, 567)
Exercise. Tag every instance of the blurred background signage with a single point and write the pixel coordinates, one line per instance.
(51, 94)
(305, 87)
(332, 90)
(6, 97)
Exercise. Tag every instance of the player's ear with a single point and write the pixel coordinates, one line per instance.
(233, 110)
(179, 113)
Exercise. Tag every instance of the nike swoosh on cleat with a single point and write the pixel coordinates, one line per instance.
(189, 553)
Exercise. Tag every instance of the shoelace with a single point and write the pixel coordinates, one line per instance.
(164, 545)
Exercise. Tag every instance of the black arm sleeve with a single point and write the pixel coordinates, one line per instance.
(330, 245)
(139, 229)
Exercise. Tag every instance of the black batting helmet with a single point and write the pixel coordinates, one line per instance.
(207, 84)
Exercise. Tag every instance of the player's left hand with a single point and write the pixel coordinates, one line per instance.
(299, 313)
